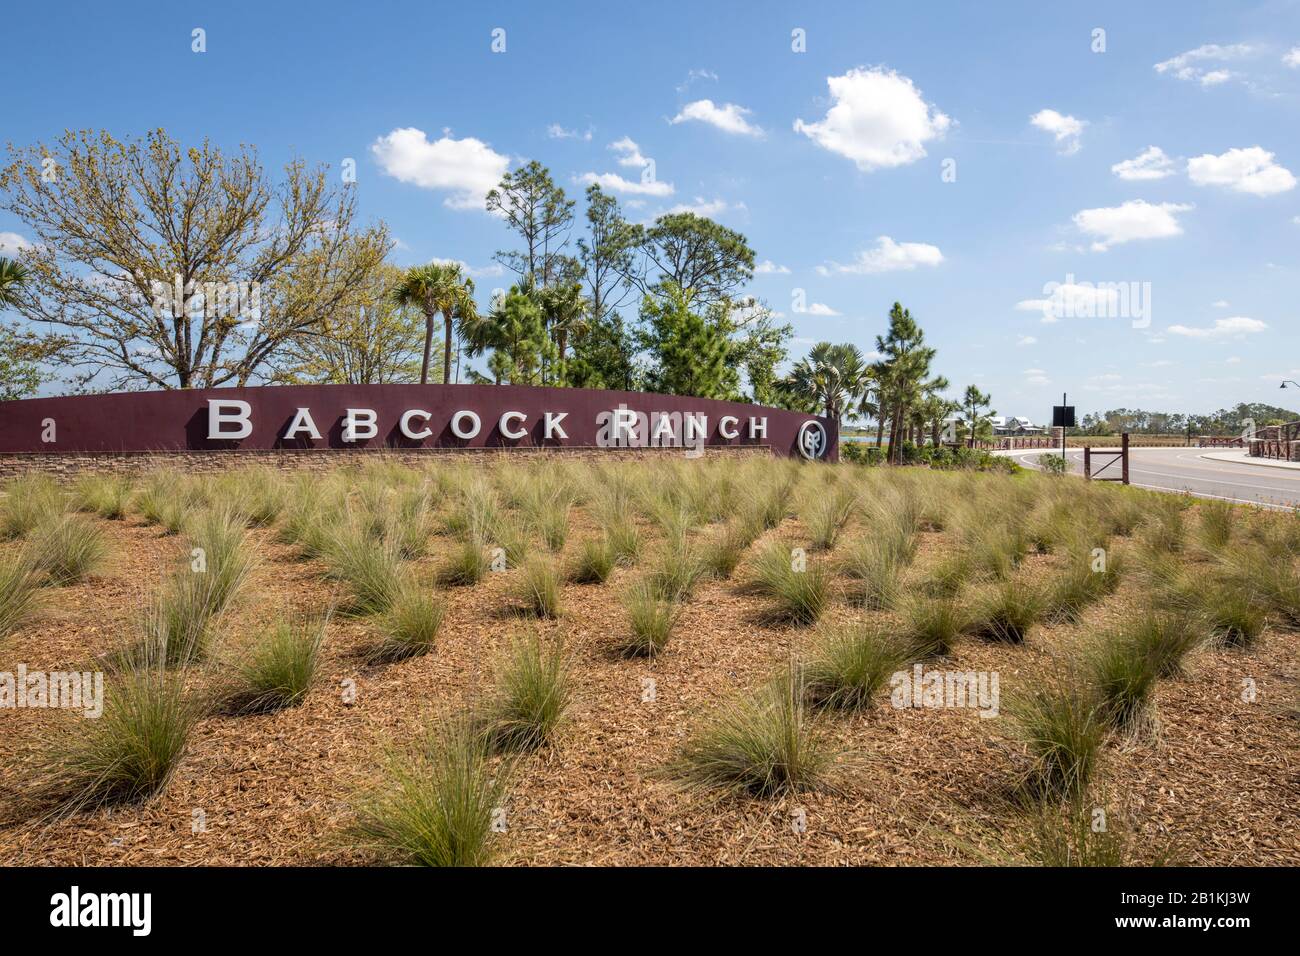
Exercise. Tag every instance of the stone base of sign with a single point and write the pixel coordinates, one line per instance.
(211, 462)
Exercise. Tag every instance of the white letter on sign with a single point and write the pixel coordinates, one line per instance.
(553, 428)
(727, 426)
(360, 423)
(475, 424)
(697, 428)
(302, 422)
(405, 424)
(506, 430)
(229, 412)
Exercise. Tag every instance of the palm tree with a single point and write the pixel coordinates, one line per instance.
(939, 408)
(832, 376)
(565, 311)
(439, 287)
(928, 413)
(13, 276)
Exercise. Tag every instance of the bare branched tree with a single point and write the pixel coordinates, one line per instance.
(160, 266)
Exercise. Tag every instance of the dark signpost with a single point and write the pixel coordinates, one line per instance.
(1063, 418)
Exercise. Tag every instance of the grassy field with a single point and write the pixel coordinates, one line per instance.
(1137, 441)
(684, 662)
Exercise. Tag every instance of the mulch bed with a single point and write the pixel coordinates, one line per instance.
(1218, 783)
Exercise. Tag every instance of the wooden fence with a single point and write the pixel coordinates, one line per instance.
(1277, 441)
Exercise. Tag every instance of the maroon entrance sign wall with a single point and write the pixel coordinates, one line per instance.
(401, 416)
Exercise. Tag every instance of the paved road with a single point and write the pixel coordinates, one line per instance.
(1183, 469)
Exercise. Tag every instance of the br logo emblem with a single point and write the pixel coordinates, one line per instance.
(812, 440)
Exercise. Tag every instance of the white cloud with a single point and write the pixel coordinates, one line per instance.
(1234, 327)
(11, 244)
(889, 256)
(1036, 376)
(818, 308)
(629, 153)
(556, 131)
(1027, 340)
(635, 187)
(1232, 360)
(878, 119)
(706, 208)
(465, 168)
(1220, 303)
(1135, 219)
(1151, 163)
(1192, 64)
(693, 75)
(769, 268)
(1292, 57)
(1250, 170)
(481, 272)
(728, 117)
(1066, 130)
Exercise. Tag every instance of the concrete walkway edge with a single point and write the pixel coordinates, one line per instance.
(1241, 458)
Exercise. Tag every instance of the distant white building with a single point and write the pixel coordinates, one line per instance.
(1004, 424)
(1016, 425)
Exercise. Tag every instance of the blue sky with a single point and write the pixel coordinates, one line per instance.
(831, 161)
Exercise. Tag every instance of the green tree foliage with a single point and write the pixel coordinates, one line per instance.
(564, 312)
(372, 340)
(438, 288)
(523, 352)
(1225, 421)
(19, 375)
(604, 356)
(608, 254)
(903, 375)
(687, 251)
(689, 349)
(830, 379)
(13, 277)
(975, 409)
(533, 206)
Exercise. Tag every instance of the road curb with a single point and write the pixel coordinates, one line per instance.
(1245, 460)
